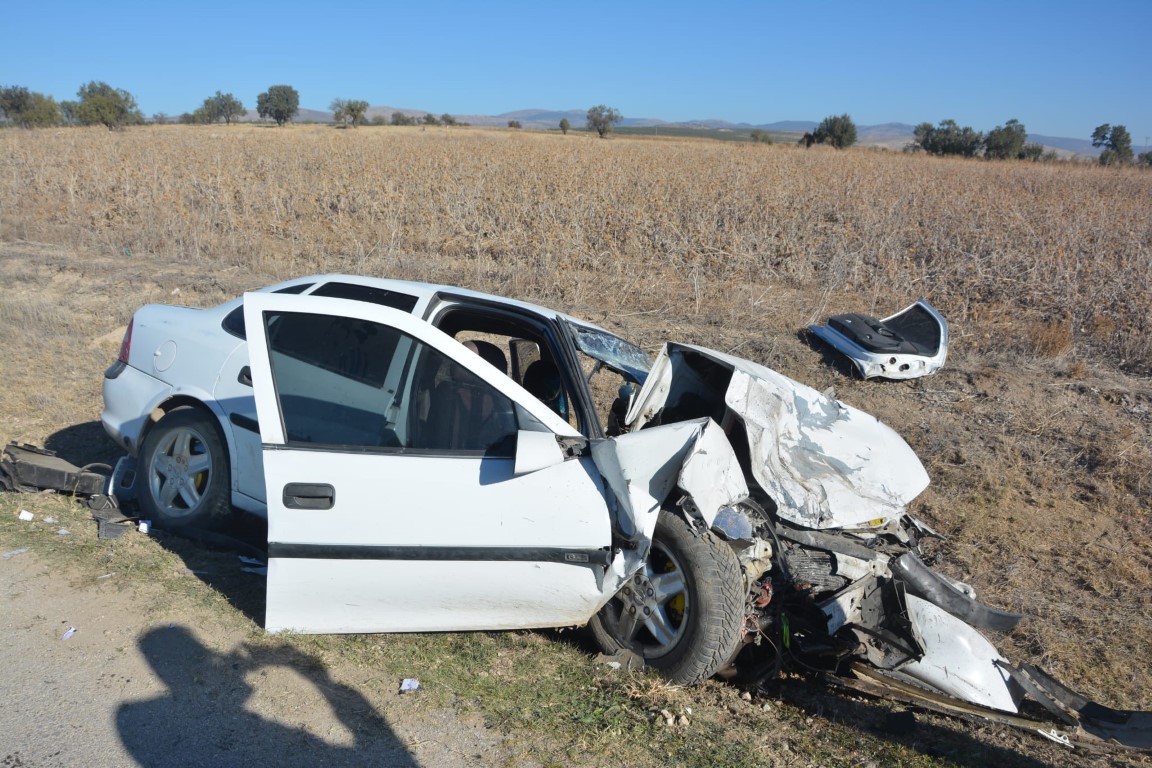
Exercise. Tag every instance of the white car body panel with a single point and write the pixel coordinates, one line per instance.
(957, 659)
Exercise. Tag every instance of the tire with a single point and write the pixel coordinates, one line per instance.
(184, 478)
(693, 589)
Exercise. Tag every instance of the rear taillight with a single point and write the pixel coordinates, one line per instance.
(126, 345)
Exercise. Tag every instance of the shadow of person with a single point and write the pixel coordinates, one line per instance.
(205, 717)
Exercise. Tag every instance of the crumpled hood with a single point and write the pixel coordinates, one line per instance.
(824, 463)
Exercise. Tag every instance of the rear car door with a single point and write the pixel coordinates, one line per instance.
(393, 504)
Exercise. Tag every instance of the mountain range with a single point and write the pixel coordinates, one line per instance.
(891, 135)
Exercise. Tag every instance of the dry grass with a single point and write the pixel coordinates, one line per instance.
(1039, 444)
(1010, 249)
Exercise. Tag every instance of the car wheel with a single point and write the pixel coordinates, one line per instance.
(184, 479)
(683, 612)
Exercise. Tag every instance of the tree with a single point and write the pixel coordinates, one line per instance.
(399, 118)
(1117, 144)
(280, 103)
(101, 104)
(1006, 142)
(447, 119)
(837, 130)
(947, 138)
(1144, 159)
(514, 124)
(430, 119)
(28, 109)
(222, 106)
(565, 126)
(602, 119)
(349, 111)
(760, 137)
(1033, 151)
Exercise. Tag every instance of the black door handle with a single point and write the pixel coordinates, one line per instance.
(245, 376)
(309, 496)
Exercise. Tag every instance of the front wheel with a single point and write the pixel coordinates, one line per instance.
(183, 479)
(683, 612)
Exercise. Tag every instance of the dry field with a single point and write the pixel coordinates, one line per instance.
(1037, 434)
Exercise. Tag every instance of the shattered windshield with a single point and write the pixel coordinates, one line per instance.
(621, 356)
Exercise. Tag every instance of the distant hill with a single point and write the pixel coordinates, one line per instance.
(891, 135)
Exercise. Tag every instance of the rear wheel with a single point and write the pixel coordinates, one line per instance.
(184, 477)
(683, 612)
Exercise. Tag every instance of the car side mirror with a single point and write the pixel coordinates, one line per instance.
(536, 451)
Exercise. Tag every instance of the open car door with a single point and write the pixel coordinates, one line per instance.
(393, 503)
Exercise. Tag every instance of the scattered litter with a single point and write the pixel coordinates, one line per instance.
(144, 526)
(50, 520)
(71, 631)
(409, 684)
(15, 552)
(63, 532)
(105, 576)
(26, 516)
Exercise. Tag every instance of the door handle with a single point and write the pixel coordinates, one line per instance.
(309, 496)
(245, 376)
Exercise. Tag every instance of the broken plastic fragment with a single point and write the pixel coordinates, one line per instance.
(50, 520)
(63, 532)
(144, 526)
(26, 516)
(71, 631)
(409, 684)
(15, 552)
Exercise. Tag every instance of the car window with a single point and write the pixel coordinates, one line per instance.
(367, 293)
(233, 322)
(348, 382)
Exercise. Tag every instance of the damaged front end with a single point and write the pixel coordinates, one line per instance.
(830, 560)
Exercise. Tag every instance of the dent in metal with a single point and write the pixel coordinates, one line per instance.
(642, 468)
(824, 463)
(909, 344)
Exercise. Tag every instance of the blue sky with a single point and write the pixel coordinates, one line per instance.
(1060, 67)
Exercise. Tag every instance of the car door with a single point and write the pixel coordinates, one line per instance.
(393, 501)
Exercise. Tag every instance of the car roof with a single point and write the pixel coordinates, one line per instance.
(424, 292)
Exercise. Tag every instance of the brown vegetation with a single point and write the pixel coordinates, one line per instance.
(1039, 444)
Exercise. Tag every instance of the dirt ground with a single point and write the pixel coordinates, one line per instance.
(138, 684)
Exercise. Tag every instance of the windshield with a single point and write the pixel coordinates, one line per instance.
(615, 353)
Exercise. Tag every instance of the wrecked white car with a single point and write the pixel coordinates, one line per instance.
(907, 345)
(438, 459)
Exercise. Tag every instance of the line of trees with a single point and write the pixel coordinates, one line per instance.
(1004, 142)
(97, 103)
(101, 104)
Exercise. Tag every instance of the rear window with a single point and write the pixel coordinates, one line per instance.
(367, 293)
(233, 323)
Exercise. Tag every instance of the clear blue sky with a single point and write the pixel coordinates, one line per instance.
(1059, 67)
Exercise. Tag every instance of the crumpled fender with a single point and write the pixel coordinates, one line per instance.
(641, 469)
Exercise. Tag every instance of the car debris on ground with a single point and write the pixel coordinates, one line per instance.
(909, 344)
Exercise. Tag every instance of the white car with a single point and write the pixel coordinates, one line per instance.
(432, 458)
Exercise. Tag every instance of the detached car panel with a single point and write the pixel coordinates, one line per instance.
(909, 344)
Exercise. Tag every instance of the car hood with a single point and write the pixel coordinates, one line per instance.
(825, 464)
